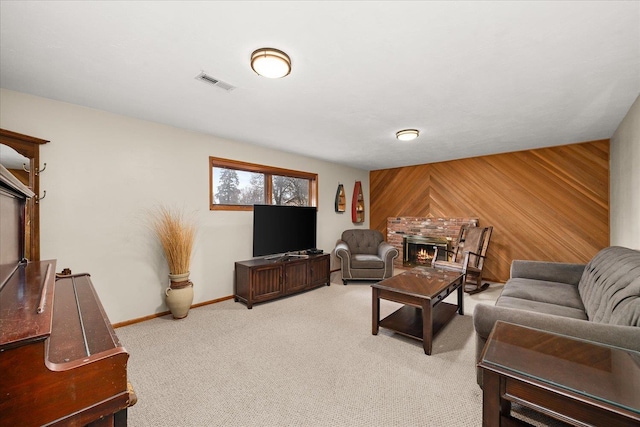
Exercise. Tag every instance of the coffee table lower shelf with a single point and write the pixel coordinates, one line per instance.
(408, 320)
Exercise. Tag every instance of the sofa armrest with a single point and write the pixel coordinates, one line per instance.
(549, 271)
(485, 317)
(342, 250)
(387, 252)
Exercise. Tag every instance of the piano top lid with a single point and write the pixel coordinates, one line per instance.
(20, 322)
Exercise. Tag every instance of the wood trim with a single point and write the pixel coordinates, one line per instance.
(549, 204)
(29, 147)
(267, 170)
(164, 313)
(218, 207)
(254, 167)
(26, 140)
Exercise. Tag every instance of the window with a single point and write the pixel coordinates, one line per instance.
(235, 185)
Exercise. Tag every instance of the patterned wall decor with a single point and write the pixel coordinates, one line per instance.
(545, 204)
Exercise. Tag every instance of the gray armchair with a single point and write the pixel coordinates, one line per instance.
(364, 255)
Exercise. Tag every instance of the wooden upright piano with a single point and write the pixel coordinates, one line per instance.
(61, 362)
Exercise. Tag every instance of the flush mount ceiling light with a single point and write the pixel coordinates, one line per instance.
(407, 134)
(271, 63)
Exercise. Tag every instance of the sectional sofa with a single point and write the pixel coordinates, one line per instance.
(599, 301)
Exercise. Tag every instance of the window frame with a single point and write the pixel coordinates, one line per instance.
(268, 172)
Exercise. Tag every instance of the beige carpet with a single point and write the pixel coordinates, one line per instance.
(305, 360)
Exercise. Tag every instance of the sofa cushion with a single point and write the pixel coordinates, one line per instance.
(366, 261)
(562, 272)
(541, 307)
(609, 286)
(544, 291)
(627, 307)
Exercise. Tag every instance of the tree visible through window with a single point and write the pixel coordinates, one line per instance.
(238, 185)
(254, 193)
(289, 190)
(228, 191)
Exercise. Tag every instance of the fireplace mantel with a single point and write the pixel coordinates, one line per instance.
(397, 227)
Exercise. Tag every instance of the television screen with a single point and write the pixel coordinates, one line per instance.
(281, 229)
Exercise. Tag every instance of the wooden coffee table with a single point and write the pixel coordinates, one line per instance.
(575, 381)
(422, 291)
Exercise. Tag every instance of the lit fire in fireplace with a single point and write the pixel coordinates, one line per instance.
(422, 257)
(418, 250)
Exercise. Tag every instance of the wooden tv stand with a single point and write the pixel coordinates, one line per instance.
(260, 280)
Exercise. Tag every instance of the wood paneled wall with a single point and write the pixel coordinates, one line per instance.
(549, 204)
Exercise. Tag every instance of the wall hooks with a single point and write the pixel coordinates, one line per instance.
(38, 198)
(24, 167)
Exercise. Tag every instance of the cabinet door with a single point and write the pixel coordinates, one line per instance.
(266, 283)
(295, 276)
(319, 270)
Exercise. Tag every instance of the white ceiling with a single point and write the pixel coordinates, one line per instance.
(475, 78)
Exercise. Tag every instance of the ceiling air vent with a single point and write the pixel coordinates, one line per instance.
(213, 81)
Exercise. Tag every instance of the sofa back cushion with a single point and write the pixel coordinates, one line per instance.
(610, 287)
(363, 241)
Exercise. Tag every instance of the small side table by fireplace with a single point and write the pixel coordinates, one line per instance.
(422, 290)
(575, 381)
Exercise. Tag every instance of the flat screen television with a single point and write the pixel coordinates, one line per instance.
(282, 229)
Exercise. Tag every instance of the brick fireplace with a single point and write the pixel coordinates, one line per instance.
(435, 228)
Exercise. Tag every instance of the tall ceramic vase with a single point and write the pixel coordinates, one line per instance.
(179, 295)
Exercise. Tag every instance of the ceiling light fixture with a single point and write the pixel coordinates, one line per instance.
(407, 134)
(271, 63)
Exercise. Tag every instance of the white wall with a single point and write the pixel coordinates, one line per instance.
(625, 181)
(104, 171)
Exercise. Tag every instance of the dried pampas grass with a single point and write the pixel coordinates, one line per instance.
(177, 234)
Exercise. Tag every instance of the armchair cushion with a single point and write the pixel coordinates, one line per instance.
(366, 261)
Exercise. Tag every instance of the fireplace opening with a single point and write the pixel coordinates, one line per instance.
(419, 250)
